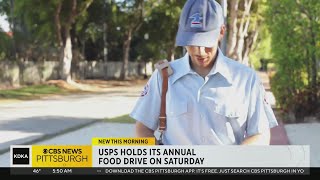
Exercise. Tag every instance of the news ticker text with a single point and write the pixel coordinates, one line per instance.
(160, 171)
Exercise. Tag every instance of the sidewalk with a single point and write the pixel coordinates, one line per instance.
(279, 135)
(306, 134)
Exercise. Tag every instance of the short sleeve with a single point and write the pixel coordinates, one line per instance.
(260, 115)
(147, 107)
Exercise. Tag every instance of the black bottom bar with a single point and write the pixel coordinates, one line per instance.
(160, 171)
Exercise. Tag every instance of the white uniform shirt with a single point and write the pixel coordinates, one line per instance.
(222, 108)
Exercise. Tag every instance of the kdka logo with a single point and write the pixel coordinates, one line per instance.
(20, 156)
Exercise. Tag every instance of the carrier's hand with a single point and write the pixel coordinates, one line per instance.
(258, 139)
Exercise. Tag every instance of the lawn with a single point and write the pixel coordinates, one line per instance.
(32, 92)
(120, 119)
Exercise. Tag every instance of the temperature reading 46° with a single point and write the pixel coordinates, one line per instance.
(36, 171)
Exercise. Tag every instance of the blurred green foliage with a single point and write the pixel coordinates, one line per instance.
(294, 26)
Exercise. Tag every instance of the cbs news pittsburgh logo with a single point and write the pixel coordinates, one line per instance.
(50, 156)
(20, 156)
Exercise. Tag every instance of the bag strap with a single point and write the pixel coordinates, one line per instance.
(163, 116)
(165, 71)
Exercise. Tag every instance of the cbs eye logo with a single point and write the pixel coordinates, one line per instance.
(20, 156)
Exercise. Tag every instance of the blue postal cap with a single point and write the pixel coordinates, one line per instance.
(199, 24)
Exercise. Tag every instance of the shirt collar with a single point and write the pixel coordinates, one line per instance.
(221, 67)
(182, 67)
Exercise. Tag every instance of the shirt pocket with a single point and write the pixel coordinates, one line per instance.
(227, 111)
(177, 109)
(231, 121)
(236, 116)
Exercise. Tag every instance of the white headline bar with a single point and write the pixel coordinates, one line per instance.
(201, 156)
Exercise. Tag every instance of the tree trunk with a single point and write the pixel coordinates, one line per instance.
(67, 58)
(58, 24)
(13, 29)
(126, 51)
(224, 5)
(242, 31)
(105, 50)
(59, 37)
(170, 53)
(105, 41)
(67, 48)
(133, 26)
(249, 42)
(145, 70)
(233, 29)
